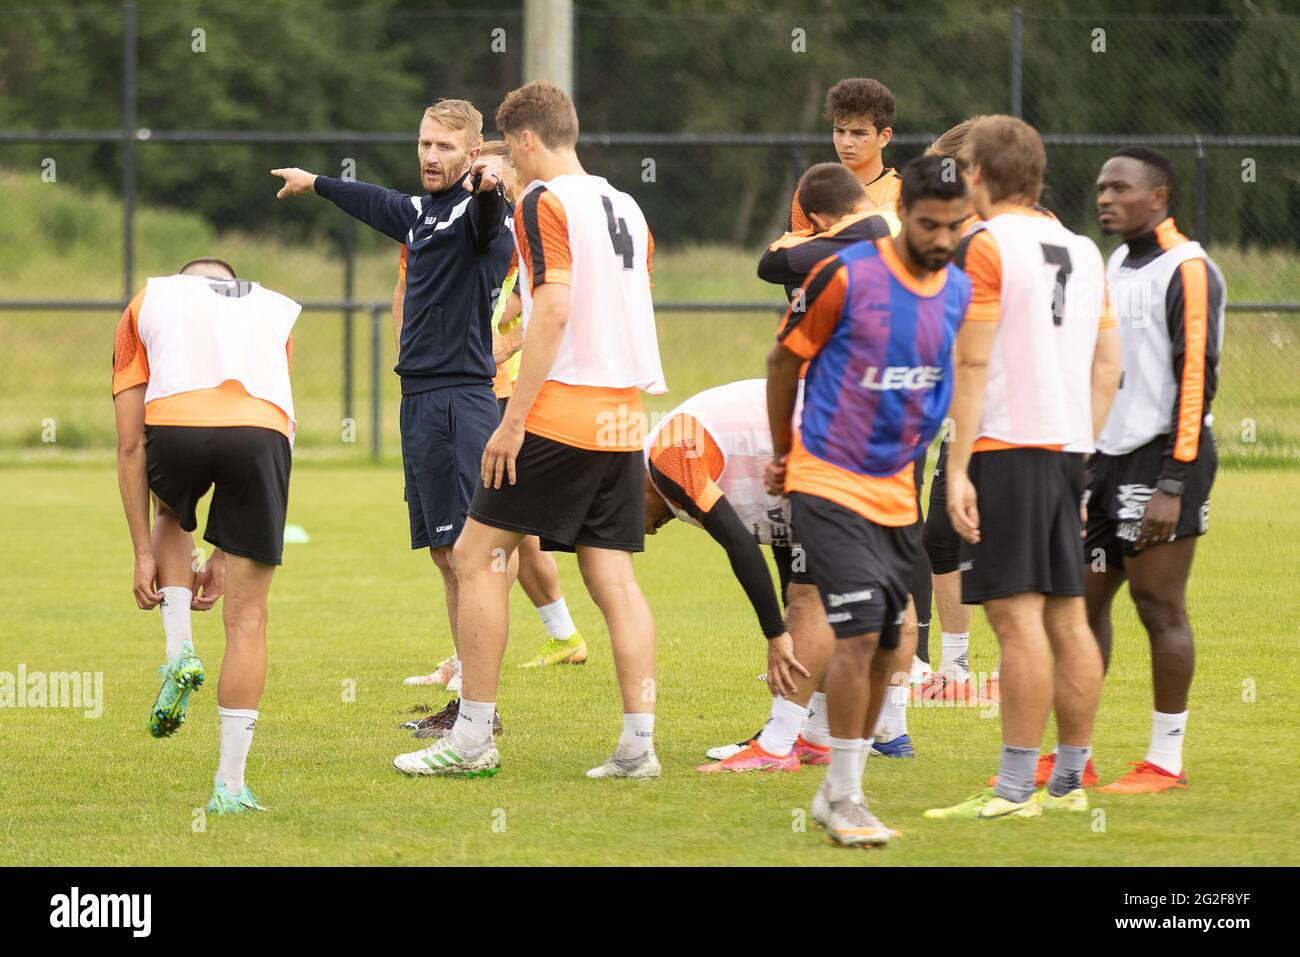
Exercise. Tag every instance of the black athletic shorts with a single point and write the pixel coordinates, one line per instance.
(1028, 503)
(791, 567)
(501, 404)
(941, 541)
(443, 435)
(1120, 485)
(862, 570)
(568, 496)
(248, 468)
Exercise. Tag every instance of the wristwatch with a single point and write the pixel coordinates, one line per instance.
(1171, 487)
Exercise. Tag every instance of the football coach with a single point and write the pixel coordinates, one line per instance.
(458, 251)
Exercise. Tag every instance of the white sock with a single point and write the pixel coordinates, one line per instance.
(237, 726)
(176, 618)
(862, 758)
(817, 730)
(1167, 731)
(556, 620)
(472, 732)
(845, 774)
(777, 736)
(892, 722)
(956, 648)
(637, 737)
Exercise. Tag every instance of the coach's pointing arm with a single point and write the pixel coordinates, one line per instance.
(385, 210)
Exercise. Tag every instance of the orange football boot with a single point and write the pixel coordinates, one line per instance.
(1147, 778)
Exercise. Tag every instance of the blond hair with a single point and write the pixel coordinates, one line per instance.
(949, 144)
(457, 115)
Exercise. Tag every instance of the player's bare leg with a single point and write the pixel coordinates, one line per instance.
(243, 678)
(1100, 586)
(540, 579)
(850, 682)
(482, 564)
(1076, 693)
(612, 584)
(950, 680)
(482, 558)
(814, 641)
(888, 734)
(182, 672)
(1157, 579)
(1026, 689)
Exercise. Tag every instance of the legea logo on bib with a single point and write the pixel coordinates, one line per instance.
(901, 377)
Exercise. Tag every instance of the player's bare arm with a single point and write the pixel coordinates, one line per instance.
(782, 390)
(133, 484)
(1107, 368)
(545, 330)
(209, 582)
(970, 373)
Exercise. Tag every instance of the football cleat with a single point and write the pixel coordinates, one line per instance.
(724, 751)
(942, 686)
(448, 670)
(987, 805)
(851, 824)
(900, 747)
(570, 651)
(435, 726)
(644, 765)
(809, 753)
(181, 677)
(1147, 778)
(754, 758)
(443, 760)
(1076, 800)
(227, 802)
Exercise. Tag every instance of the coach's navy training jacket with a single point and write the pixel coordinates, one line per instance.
(458, 251)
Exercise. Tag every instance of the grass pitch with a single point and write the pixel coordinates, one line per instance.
(355, 610)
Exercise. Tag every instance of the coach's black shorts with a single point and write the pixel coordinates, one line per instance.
(249, 467)
(1028, 502)
(862, 570)
(1120, 486)
(941, 541)
(568, 496)
(443, 435)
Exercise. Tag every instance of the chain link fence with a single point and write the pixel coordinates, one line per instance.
(136, 137)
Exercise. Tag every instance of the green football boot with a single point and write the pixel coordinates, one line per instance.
(181, 678)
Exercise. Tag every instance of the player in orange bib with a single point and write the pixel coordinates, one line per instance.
(1037, 365)
(861, 114)
(202, 398)
(565, 462)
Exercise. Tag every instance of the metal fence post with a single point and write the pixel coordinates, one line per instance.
(1017, 65)
(349, 278)
(1202, 189)
(376, 343)
(130, 60)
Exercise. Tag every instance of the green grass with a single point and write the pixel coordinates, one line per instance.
(357, 605)
(55, 366)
